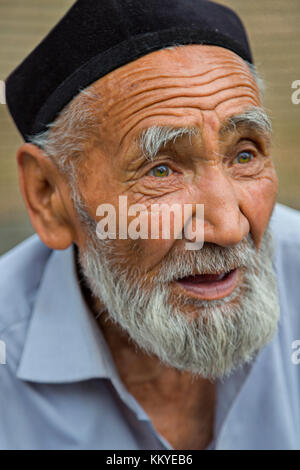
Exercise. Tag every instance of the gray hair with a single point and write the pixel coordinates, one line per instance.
(65, 139)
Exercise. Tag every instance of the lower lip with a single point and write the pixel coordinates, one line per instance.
(212, 290)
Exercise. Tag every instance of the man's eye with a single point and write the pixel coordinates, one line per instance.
(160, 171)
(244, 157)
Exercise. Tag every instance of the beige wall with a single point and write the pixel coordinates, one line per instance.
(274, 30)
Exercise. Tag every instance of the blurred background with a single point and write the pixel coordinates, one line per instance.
(273, 27)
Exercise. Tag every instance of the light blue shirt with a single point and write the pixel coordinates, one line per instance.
(60, 388)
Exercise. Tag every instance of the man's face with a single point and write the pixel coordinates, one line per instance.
(191, 86)
(227, 168)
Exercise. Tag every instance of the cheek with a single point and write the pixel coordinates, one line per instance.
(257, 203)
(148, 253)
(156, 237)
(152, 252)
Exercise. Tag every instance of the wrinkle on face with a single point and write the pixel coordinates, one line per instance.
(198, 87)
(159, 95)
(172, 84)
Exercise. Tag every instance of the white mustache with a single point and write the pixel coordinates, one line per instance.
(211, 259)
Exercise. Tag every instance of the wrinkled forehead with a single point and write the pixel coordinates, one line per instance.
(186, 60)
(173, 87)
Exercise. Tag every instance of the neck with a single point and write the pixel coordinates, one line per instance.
(180, 405)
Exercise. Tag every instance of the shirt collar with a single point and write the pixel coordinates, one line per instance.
(64, 342)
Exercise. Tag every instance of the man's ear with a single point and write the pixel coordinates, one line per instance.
(46, 196)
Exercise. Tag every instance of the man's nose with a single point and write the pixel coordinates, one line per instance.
(224, 221)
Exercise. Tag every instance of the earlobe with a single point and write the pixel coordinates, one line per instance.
(42, 189)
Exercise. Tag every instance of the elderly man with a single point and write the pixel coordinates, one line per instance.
(123, 342)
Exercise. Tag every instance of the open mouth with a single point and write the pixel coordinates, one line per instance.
(210, 286)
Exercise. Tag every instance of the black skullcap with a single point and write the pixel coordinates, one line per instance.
(98, 36)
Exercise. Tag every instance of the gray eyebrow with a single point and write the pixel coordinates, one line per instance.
(154, 138)
(254, 118)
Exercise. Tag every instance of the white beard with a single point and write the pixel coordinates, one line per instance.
(206, 338)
